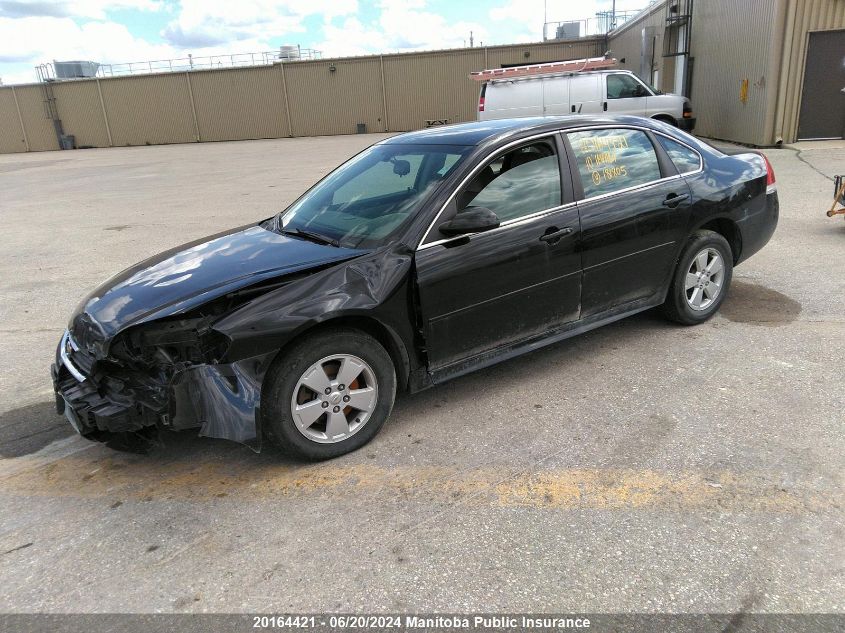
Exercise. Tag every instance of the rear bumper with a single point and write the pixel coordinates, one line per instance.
(687, 125)
(757, 229)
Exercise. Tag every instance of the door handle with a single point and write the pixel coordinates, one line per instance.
(604, 105)
(553, 234)
(673, 200)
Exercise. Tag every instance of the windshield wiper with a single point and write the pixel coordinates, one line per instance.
(309, 235)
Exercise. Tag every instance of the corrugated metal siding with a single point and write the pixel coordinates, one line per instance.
(149, 109)
(433, 86)
(243, 103)
(626, 42)
(240, 104)
(39, 127)
(803, 16)
(333, 102)
(11, 135)
(728, 49)
(78, 103)
(544, 52)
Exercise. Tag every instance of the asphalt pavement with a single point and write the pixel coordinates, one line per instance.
(640, 467)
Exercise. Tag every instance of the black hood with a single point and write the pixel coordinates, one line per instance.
(188, 276)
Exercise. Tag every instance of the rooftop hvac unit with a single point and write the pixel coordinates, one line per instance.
(568, 31)
(288, 53)
(75, 70)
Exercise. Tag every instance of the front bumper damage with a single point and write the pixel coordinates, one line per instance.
(127, 409)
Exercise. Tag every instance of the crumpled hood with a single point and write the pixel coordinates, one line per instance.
(188, 276)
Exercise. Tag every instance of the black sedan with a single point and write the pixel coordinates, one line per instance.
(426, 256)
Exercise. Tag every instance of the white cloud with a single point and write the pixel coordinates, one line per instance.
(209, 23)
(92, 9)
(525, 17)
(402, 25)
(41, 39)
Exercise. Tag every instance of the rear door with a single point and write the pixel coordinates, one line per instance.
(585, 93)
(624, 94)
(634, 209)
(484, 290)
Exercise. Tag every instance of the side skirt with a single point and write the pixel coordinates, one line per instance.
(512, 350)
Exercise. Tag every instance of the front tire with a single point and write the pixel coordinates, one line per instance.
(701, 279)
(328, 395)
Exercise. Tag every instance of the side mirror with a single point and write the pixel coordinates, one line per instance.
(470, 220)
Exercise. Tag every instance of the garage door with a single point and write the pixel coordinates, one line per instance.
(823, 98)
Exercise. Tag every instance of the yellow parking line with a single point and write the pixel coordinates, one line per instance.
(142, 479)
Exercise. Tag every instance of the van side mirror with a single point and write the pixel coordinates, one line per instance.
(470, 220)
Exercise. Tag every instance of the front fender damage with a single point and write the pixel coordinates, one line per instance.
(205, 369)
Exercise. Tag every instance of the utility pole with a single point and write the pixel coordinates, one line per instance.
(470, 39)
(545, 17)
(613, 17)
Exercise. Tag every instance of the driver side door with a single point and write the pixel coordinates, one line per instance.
(487, 289)
(624, 95)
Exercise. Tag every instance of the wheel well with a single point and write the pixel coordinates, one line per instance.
(730, 231)
(389, 340)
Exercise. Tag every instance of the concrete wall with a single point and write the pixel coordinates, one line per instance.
(386, 93)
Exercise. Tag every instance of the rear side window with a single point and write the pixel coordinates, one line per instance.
(623, 87)
(685, 159)
(612, 159)
(515, 184)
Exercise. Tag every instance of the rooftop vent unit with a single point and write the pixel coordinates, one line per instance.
(568, 31)
(75, 70)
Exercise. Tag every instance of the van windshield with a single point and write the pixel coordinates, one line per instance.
(366, 201)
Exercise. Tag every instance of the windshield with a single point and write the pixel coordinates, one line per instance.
(365, 201)
(650, 87)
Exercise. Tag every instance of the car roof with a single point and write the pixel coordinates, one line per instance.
(481, 132)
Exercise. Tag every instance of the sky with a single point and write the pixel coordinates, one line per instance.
(117, 31)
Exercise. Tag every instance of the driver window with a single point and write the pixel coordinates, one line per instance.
(518, 183)
(623, 87)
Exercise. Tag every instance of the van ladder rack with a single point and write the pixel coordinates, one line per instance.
(570, 66)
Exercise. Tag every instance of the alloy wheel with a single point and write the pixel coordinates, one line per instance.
(334, 398)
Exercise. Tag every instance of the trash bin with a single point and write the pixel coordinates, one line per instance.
(361, 128)
(68, 141)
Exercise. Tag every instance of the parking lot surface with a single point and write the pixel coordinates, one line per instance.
(641, 467)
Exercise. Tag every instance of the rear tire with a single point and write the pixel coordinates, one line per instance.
(328, 395)
(701, 279)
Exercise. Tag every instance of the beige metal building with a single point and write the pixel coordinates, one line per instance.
(377, 93)
(759, 72)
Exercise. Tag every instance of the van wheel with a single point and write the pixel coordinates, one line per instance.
(328, 395)
(701, 279)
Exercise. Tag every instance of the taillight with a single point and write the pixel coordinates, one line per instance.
(481, 97)
(687, 114)
(771, 186)
(481, 104)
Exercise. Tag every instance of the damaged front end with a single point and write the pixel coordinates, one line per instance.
(166, 374)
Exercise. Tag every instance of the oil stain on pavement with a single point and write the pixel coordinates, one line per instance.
(757, 305)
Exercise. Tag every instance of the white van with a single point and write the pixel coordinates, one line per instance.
(611, 91)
